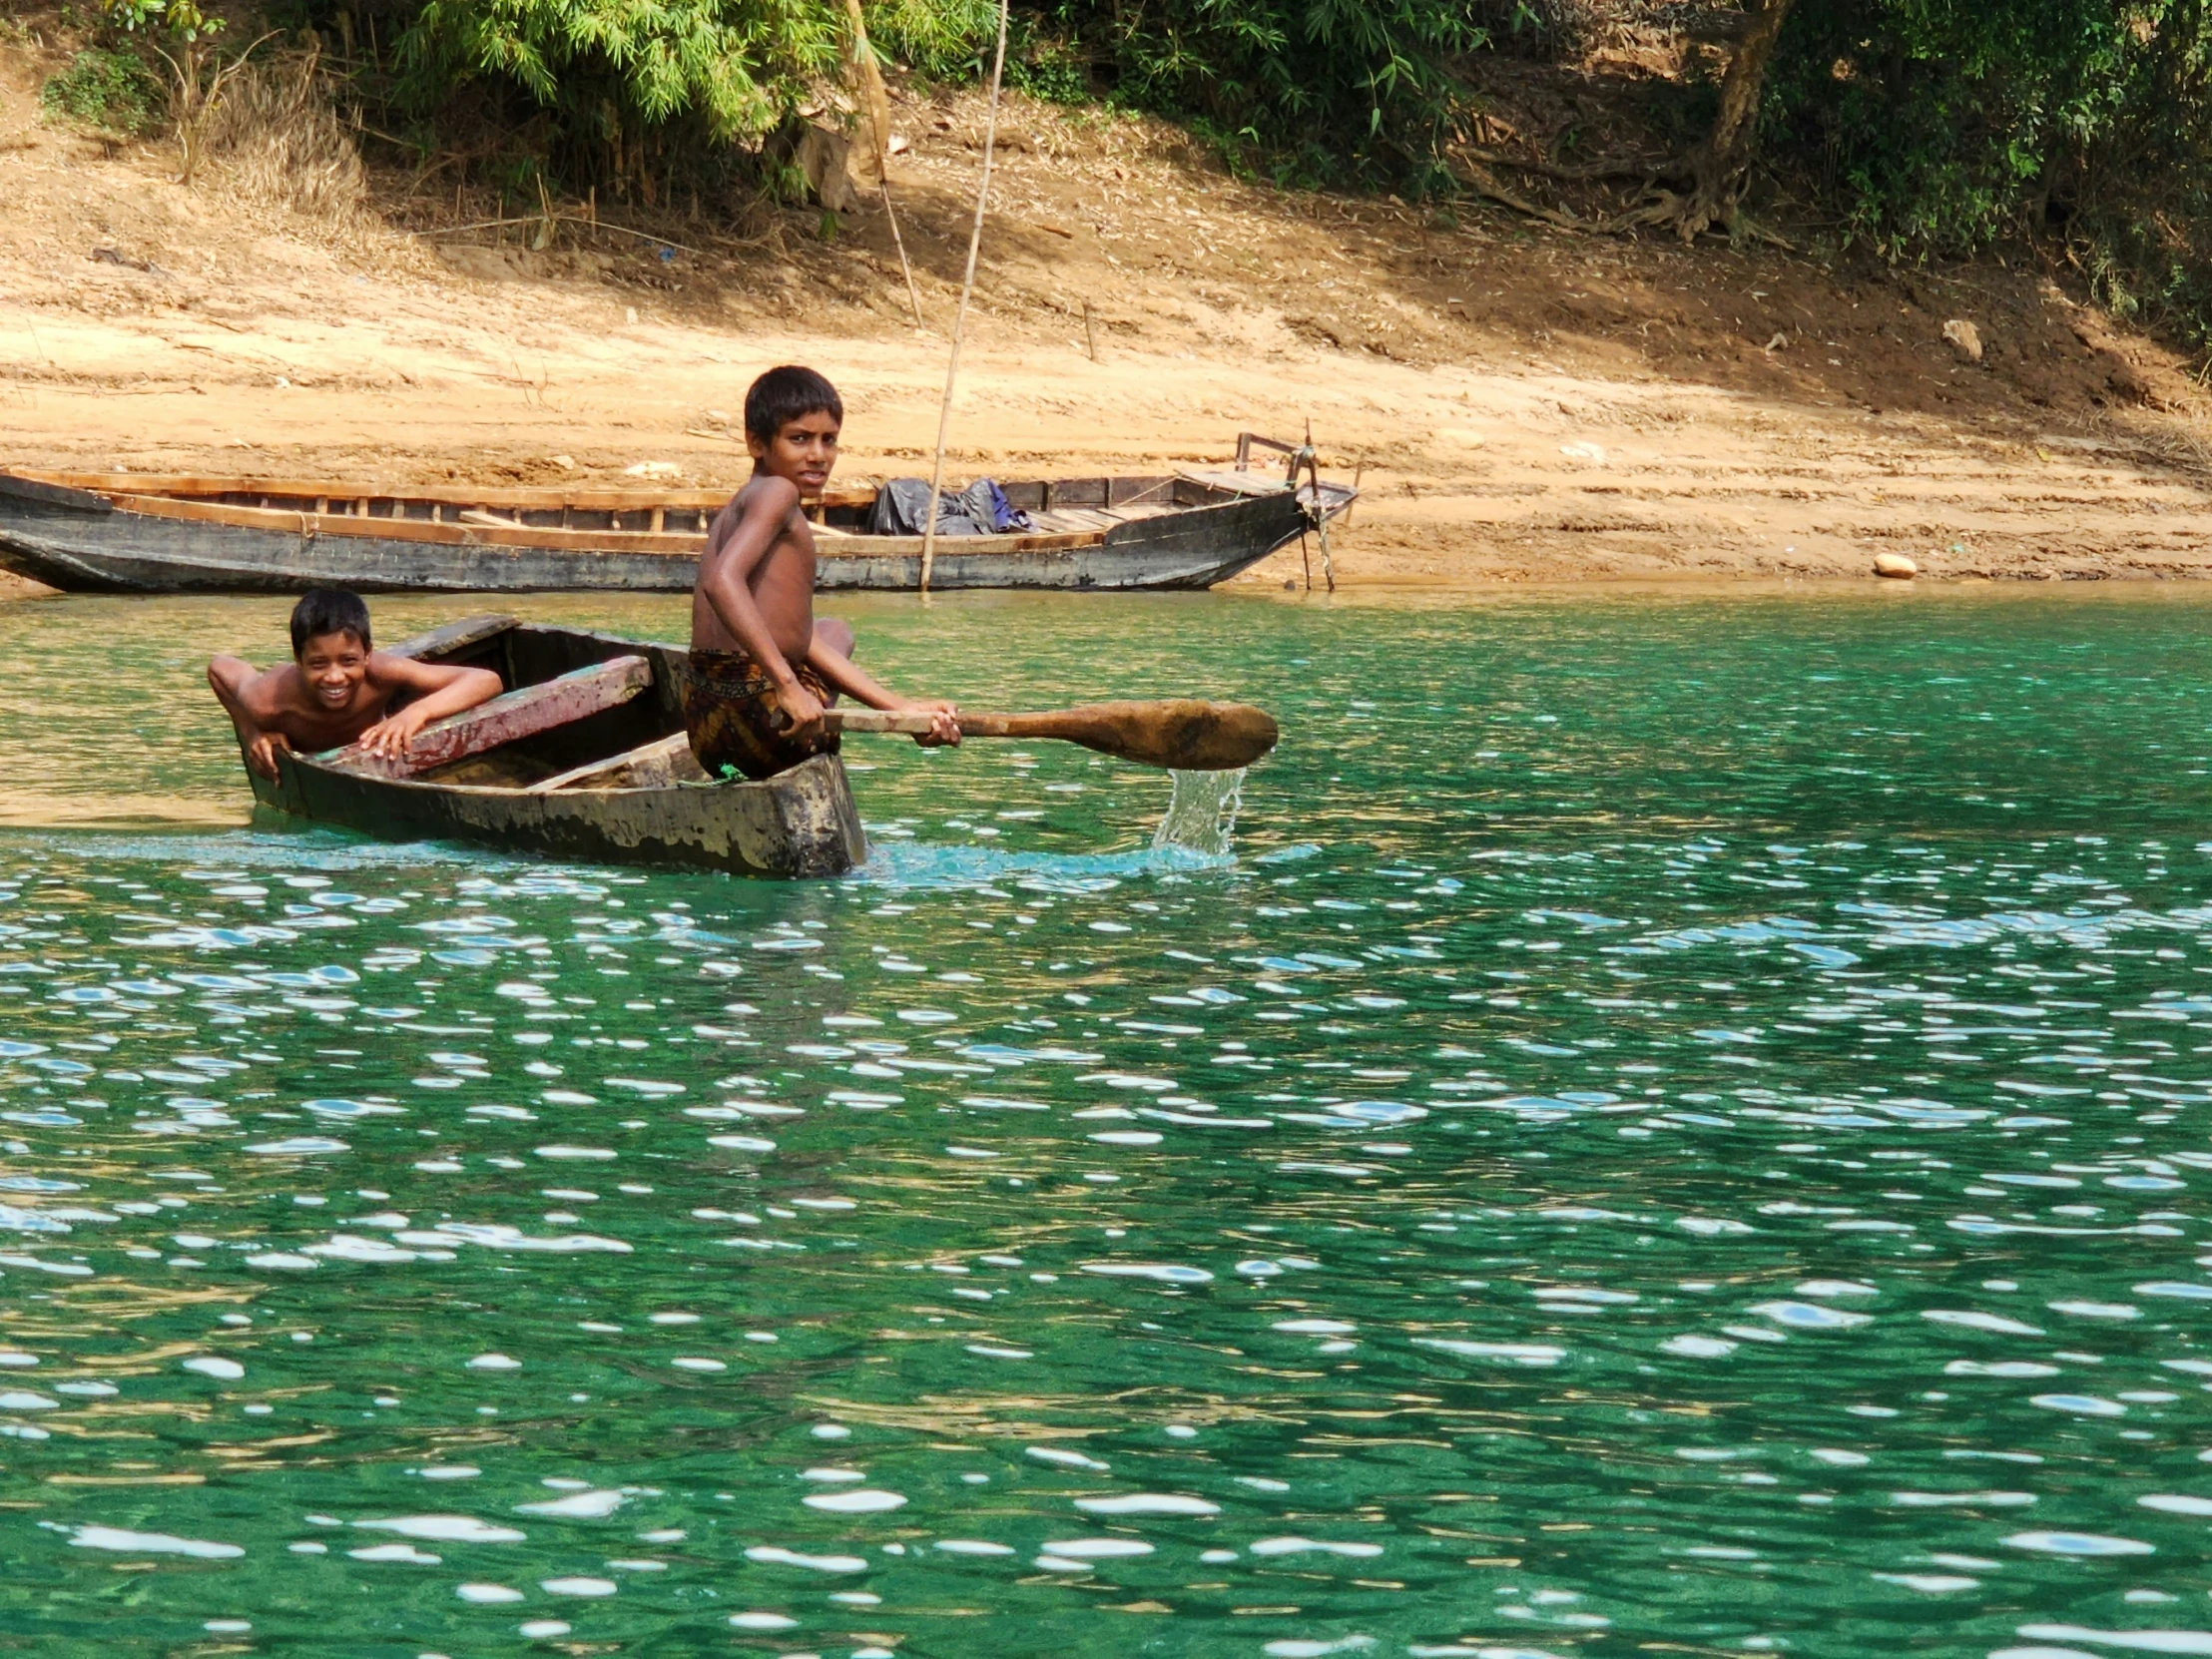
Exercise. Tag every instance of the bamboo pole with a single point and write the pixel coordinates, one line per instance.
(959, 317)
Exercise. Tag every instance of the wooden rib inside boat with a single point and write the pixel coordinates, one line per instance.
(144, 532)
(584, 756)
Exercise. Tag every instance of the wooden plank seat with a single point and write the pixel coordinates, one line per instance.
(1063, 520)
(1238, 483)
(514, 714)
(660, 764)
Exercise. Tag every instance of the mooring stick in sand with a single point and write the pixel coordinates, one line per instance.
(1183, 735)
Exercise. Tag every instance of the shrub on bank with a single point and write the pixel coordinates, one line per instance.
(109, 92)
(2083, 127)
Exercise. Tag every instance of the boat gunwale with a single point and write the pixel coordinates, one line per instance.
(194, 485)
(197, 486)
(672, 544)
(518, 792)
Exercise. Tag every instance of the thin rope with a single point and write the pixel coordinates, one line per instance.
(913, 298)
(959, 317)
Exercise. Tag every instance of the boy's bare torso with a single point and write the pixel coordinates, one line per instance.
(336, 690)
(281, 701)
(782, 584)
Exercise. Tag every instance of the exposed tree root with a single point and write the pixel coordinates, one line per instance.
(1593, 173)
(1480, 181)
(1712, 176)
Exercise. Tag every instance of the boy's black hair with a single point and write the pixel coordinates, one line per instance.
(329, 611)
(784, 395)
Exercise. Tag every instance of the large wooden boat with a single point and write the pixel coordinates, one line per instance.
(148, 533)
(583, 758)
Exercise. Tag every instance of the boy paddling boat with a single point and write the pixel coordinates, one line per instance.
(754, 687)
(763, 668)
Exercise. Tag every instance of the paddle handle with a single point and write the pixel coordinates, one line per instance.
(971, 725)
(1178, 733)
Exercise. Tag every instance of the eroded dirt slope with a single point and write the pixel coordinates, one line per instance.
(1518, 402)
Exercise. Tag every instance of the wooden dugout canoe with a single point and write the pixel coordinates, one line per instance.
(616, 784)
(148, 533)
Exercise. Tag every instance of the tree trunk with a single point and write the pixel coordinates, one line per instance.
(1720, 166)
(865, 84)
(191, 108)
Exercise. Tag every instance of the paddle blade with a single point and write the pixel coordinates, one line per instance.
(1184, 735)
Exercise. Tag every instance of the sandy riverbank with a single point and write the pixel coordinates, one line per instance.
(1519, 404)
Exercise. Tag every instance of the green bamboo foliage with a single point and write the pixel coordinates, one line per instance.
(1317, 88)
(944, 39)
(1310, 90)
(730, 66)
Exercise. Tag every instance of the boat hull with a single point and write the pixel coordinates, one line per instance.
(81, 542)
(799, 823)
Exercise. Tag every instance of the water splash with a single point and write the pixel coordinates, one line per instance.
(1202, 813)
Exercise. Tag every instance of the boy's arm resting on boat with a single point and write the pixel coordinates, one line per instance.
(842, 674)
(440, 689)
(244, 696)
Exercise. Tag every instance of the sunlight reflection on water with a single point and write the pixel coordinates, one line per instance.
(1706, 1162)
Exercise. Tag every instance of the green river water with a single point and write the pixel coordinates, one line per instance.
(1677, 1126)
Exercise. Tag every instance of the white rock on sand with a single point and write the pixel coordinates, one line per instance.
(1897, 565)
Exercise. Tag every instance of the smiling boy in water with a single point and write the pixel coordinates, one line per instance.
(763, 668)
(337, 689)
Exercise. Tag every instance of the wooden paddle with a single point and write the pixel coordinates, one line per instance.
(1183, 735)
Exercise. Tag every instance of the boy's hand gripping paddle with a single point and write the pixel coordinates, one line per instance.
(1183, 735)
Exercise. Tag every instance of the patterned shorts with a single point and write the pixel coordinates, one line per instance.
(730, 710)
